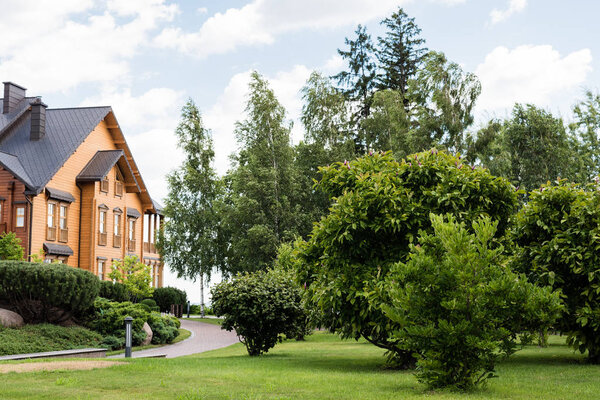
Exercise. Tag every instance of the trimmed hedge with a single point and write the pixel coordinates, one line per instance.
(114, 291)
(166, 296)
(47, 292)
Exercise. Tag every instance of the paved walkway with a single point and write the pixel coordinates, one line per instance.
(204, 337)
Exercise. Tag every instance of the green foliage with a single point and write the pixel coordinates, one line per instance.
(164, 328)
(166, 296)
(135, 275)
(458, 305)
(260, 307)
(47, 292)
(380, 206)
(113, 291)
(151, 304)
(529, 149)
(45, 337)
(558, 237)
(191, 241)
(108, 318)
(585, 128)
(10, 247)
(262, 208)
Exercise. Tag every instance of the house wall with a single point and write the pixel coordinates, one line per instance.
(87, 202)
(11, 191)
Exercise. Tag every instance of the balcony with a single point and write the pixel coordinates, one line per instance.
(102, 238)
(51, 233)
(149, 248)
(131, 246)
(63, 235)
(117, 240)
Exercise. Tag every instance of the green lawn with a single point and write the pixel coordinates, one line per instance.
(323, 367)
(214, 321)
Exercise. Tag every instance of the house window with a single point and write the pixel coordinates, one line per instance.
(51, 221)
(102, 228)
(118, 185)
(104, 185)
(20, 220)
(131, 241)
(101, 269)
(117, 232)
(63, 234)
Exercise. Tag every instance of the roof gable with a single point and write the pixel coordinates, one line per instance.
(101, 164)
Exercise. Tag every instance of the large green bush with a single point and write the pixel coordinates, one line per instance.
(558, 237)
(459, 307)
(114, 291)
(260, 307)
(10, 247)
(109, 319)
(47, 292)
(166, 296)
(379, 207)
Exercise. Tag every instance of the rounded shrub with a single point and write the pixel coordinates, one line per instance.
(557, 235)
(109, 316)
(47, 292)
(166, 296)
(164, 328)
(114, 291)
(260, 307)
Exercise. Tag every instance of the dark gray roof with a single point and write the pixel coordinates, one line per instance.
(14, 166)
(66, 129)
(59, 195)
(97, 168)
(157, 207)
(132, 212)
(57, 249)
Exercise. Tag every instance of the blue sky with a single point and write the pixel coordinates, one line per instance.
(146, 57)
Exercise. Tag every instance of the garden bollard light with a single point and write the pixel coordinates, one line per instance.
(128, 322)
(188, 308)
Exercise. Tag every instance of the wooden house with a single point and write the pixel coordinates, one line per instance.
(70, 188)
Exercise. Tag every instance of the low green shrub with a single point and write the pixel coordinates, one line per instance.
(459, 306)
(108, 319)
(166, 296)
(164, 328)
(45, 337)
(47, 292)
(113, 343)
(260, 307)
(151, 304)
(114, 291)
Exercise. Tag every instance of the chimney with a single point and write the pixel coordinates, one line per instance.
(13, 94)
(38, 119)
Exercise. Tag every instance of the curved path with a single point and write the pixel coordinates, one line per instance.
(204, 337)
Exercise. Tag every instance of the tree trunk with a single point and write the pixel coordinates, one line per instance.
(202, 296)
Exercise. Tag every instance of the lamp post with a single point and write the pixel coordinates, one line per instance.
(128, 322)
(188, 305)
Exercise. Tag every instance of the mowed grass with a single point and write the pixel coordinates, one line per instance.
(323, 367)
(213, 321)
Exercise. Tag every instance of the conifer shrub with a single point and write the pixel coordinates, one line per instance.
(47, 292)
(108, 319)
(166, 296)
(114, 291)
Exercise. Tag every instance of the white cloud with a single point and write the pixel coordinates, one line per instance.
(261, 21)
(529, 74)
(514, 6)
(55, 46)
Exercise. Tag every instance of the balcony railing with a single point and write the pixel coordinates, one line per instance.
(117, 239)
(102, 236)
(131, 245)
(149, 248)
(63, 235)
(51, 233)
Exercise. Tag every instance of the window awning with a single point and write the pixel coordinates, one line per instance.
(57, 249)
(133, 213)
(60, 195)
